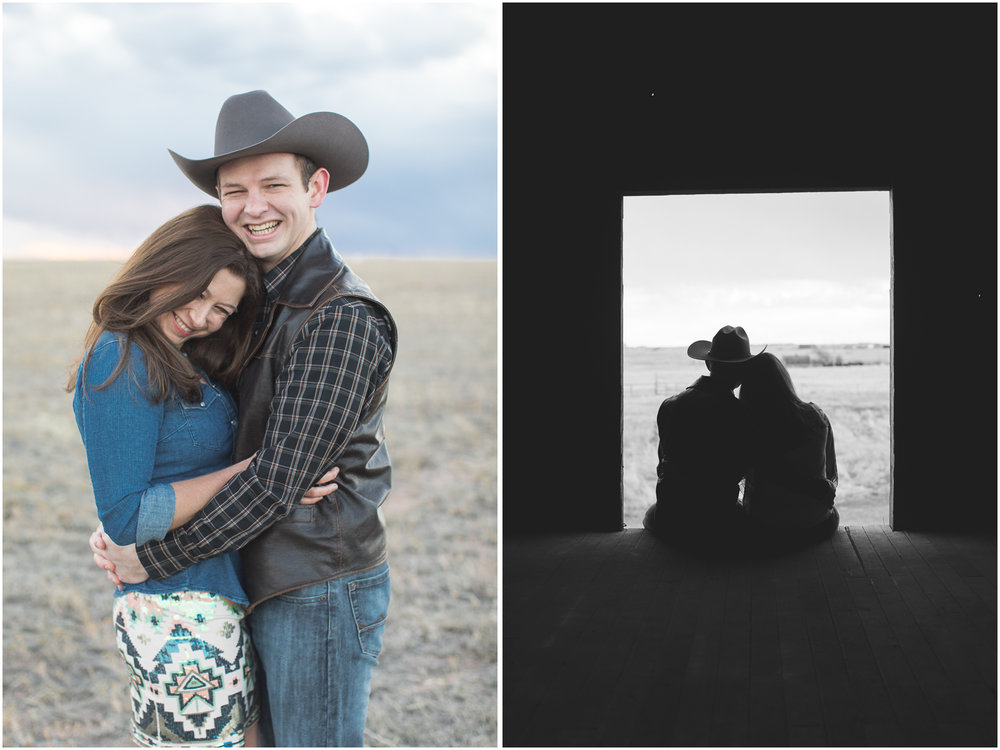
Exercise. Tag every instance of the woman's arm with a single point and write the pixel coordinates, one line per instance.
(120, 427)
(831, 456)
(191, 495)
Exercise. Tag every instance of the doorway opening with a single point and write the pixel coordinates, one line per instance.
(809, 274)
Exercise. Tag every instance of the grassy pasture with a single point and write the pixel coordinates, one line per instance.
(64, 683)
(855, 398)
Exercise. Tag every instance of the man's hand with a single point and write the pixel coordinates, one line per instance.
(121, 563)
(322, 488)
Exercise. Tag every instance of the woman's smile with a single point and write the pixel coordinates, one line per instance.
(182, 329)
(205, 314)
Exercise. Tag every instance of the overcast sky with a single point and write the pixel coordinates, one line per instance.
(803, 268)
(95, 94)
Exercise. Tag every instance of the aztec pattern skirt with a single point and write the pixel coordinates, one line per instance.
(191, 666)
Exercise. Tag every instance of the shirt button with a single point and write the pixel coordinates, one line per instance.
(202, 403)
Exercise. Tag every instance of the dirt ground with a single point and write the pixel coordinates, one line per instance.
(64, 683)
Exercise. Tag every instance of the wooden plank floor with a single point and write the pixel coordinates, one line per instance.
(872, 638)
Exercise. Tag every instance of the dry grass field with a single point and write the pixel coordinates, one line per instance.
(64, 684)
(855, 398)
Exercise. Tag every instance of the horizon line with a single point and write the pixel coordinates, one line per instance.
(880, 344)
(351, 256)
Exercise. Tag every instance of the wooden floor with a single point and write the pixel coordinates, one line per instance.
(873, 638)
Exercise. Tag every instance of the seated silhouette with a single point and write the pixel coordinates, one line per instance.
(710, 441)
(702, 454)
(791, 480)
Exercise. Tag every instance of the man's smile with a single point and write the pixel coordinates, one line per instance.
(265, 228)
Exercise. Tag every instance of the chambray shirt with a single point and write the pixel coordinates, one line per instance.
(135, 449)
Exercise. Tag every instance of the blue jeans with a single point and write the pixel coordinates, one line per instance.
(316, 649)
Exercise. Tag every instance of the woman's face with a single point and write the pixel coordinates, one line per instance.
(205, 314)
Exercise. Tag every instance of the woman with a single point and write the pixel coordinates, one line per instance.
(793, 474)
(153, 407)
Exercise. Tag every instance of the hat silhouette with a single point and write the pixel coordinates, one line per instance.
(730, 344)
(255, 123)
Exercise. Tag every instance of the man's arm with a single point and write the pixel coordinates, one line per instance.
(341, 358)
(122, 562)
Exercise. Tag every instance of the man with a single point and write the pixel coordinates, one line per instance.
(702, 449)
(312, 395)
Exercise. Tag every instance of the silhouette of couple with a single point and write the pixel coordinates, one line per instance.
(779, 446)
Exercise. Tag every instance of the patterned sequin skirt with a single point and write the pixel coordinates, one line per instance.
(191, 666)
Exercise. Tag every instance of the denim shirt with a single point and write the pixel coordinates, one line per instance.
(135, 449)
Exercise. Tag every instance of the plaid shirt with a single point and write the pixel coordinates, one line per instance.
(340, 358)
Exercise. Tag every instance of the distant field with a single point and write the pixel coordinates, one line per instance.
(64, 683)
(855, 398)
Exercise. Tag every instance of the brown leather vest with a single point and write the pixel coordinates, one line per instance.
(343, 533)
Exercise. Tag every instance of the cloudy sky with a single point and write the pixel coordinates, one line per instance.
(95, 94)
(803, 268)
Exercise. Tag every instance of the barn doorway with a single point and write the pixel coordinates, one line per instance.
(809, 274)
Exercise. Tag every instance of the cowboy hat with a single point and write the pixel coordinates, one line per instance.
(730, 344)
(254, 123)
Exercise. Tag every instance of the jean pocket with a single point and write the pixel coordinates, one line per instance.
(370, 602)
(317, 593)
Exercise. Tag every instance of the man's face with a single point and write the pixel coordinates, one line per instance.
(265, 204)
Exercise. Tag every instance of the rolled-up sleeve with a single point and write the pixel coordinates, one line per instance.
(156, 513)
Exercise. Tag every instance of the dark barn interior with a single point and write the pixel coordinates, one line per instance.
(879, 636)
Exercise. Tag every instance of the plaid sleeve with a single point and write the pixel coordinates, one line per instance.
(339, 359)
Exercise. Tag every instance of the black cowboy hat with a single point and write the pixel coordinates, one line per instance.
(730, 344)
(254, 123)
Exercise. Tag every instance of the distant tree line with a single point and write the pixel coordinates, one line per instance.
(810, 356)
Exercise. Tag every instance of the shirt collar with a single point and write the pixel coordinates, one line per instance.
(275, 278)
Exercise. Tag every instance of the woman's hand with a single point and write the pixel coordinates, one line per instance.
(121, 563)
(322, 488)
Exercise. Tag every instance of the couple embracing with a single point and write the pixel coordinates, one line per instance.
(779, 447)
(233, 369)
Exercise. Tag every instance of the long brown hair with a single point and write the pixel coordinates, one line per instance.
(182, 257)
(777, 414)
